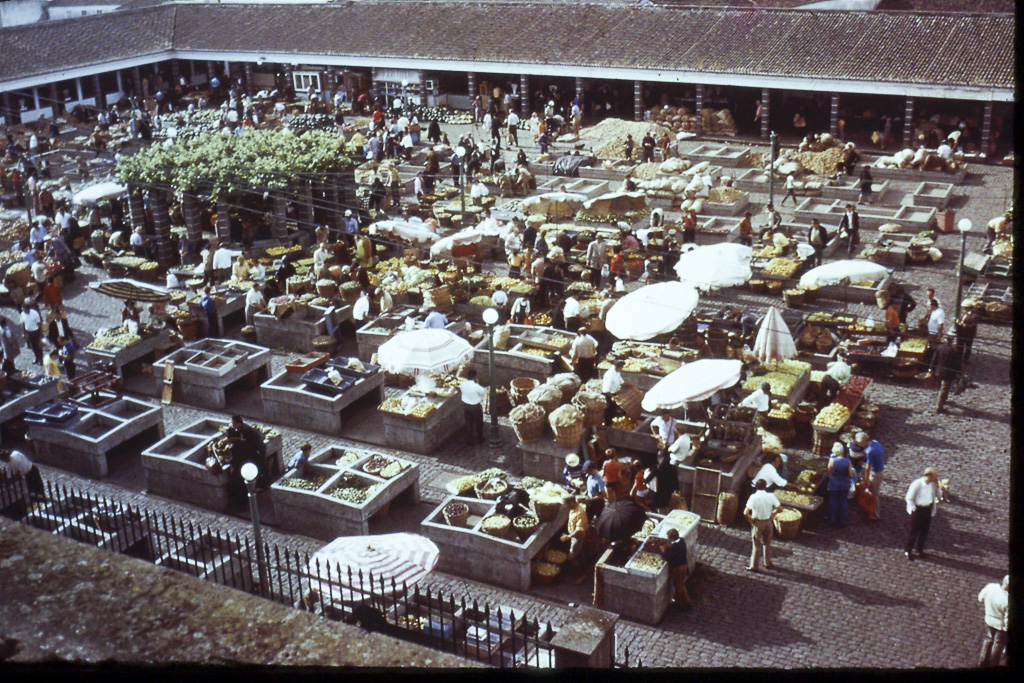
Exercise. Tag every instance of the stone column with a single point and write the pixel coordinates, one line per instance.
(908, 122)
(223, 220)
(587, 639)
(986, 128)
(35, 98)
(137, 84)
(193, 219)
(700, 110)
(136, 207)
(579, 87)
(524, 96)
(250, 89)
(162, 228)
(78, 89)
(471, 85)
(56, 101)
(101, 97)
(833, 119)
(279, 224)
(766, 108)
(175, 72)
(120, 82)
(638, 100)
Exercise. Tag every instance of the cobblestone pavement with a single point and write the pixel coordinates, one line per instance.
(830, 589)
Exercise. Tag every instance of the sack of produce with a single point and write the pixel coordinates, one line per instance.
(592, 404)
(727, 507)
(566, 382)
(546, 396)
(501, 337)
(567, 424)
(527, 422)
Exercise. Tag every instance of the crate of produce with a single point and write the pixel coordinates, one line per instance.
(317, 380)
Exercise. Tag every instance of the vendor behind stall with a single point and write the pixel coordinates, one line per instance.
(666, 429)
(760, 400)
(611, 383)
(836, 376)
(769, 472)
(573, 473)
(583, 353)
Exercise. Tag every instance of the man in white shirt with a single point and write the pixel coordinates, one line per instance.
(922, 500)
(361, 308)
(666, 429)
(136, 242)
(31, 323)
(760, 400)
(320, 257)
(936, 320)
(513, 128)
(761, 509)
(478, 191)
(706, 185)
(254, 303)
(513, 242)
(996, 599)
(611, 383)
(499, 299)
(944, 150)
(571, 313)
(583, 353)
(837, 374)
(769, 473)
(473, 407)
(38, 234)
(790, 190)
(520, 310)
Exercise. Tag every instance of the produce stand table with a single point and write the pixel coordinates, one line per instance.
(204, 370)
(639, 438)
(721, 155)
(21, 394)
(912, 219)
(295, 333)
(314, 510)
(82, 441)
(514, 361)
(288, 399)
(468, 552)
(640, 595)
(653, 361)
(589, 188)
(914, 176)
(825, 435)
(797, 390)
(89, 521)
(175, 466)
(735, 440)
(229, 303)
(117, 357)
(423, 435)
(998, 297)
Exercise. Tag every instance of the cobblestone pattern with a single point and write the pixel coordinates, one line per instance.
(829, 587)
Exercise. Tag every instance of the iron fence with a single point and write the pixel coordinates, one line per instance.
(498, 636)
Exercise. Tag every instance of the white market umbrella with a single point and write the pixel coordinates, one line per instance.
(694, 381)
(651, 310)
(410, 230)
(715, 266)
(128, 289)
(774, 340)
(387, 563)
(555, 204)
(424, 352)
(853, 270)
(95, 193)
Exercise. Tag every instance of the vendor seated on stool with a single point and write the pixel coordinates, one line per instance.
(769, 472)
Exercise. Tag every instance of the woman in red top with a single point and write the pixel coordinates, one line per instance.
(617, 267)
(51, 295)
(640, 493)
(690, 227)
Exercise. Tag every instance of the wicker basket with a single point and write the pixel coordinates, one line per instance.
(325, 343)
(759, 286)
(788, 528)
(794, 298)
(546, 512)
(571, 419)
(528, 422)
(295, 287)
(189, 327)
(592, 406)
(918, 256)
(482, 494)
(520, 387)
(327, 289)
(628, 399)
(546, 397)
(525, 525)
(566, 382)
(249, 334)
(774, 286)
(546, 579)
(501, 530)
(349, 294)
(728, 504)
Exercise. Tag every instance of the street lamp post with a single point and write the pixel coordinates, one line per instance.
(460, 152)
(772, 155)
(249, 473)
(490, 318)
(964, 226)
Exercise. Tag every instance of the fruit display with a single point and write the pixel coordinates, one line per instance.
(856, 385)
(281, 251)
(645, 531)
(788, 367)
(14, 231)
(116, 337)
(540, 353)
(128, 261)
(624, 422)
(465, 483)
(495, 523)
(413, 622)
(781, 411)
(455, 508)
(913, 346)
(683, 518)
(795, 498)
(646, 562)
(492, 488)
(376, 463)
(555, 556)
(394, 405)
(542, 319)
(832, 416)
(868, 327)
(347, 458)
(826, 317)
(547, 569)
(525, 522)
(788, 515)
(781, 267)
(780, 383)
(305, 484)
(392, 469)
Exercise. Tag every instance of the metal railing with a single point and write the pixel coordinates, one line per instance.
(498, 636)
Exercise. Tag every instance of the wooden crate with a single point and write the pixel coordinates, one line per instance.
(706, 487)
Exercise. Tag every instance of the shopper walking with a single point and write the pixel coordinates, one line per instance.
(31, 324)
(996, 598)
(790, 190)
(761, 509)
(840, 479)
(922, 499)
(875, 465)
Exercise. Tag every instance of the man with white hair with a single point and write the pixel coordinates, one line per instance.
(996, 599)
(922, 500)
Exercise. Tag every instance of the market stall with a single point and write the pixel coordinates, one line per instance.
(184, 465)
(118, 349)
(850, 280)
(339, 490)
(81, 440)
(18, 394)
(832, 419)
(297, 330)
(644, 363)
(315, 398)
(534, 352)
(204, 371)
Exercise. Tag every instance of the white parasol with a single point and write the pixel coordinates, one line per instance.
(715, 266)
(387, 564)
(411, 230)
(651, 310)
(555, 204)
(95, 193)
(774, 340)
(852, 270)
(694, 381)
(426, 351)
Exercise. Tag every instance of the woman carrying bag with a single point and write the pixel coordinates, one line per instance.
(840, 479)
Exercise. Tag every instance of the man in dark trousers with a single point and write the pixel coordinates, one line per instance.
(849, 227)
(647, 147)
(946, 366)
(254, 443)
(675, 556)
(966, 330)
(817, 237)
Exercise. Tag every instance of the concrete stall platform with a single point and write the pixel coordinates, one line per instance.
(118, 357)
(288, 400)
(295, 333)
(83, 443)
(24, 394)
(204, 370)
(424, 435)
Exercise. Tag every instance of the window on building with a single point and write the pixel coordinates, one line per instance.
(303, 79)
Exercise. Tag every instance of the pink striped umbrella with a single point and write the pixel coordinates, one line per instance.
(403, 558)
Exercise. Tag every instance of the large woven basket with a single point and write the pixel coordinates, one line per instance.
(458, 517)
(793, 297)
(249, 334)
(500, 531)
(567, 382)
(527, 422)
(592, 405)
(325, 343)
(327, 288)
(478, 489)
(567, 423)
(628, 399)
(546, 512)
(525, 525)
(728, 504)
(788, 529)
(520, 387)
(545, 396)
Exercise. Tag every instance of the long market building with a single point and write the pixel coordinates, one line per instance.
(622, 57)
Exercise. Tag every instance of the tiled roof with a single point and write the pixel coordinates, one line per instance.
(890, 47)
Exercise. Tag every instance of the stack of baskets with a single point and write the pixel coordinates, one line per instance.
(520, 387)
(527, 422)
(592, 405)
(567, 424)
